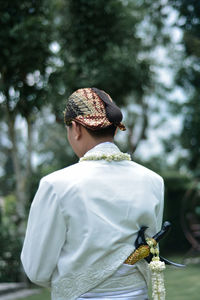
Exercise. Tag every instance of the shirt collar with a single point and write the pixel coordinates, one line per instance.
(104, 148)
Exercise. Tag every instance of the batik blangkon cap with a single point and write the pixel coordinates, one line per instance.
(94, 109)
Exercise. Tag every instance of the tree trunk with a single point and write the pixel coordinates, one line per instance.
(19, 178)
(133, 144)
(29, 147)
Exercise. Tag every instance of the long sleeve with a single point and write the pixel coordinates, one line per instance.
(45, 236)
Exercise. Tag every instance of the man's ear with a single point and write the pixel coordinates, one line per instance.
(77, 130)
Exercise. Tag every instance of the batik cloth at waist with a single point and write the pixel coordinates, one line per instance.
(138, 294)
(126, 283)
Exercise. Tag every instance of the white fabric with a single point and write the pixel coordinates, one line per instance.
(139, 294)
(124, 279)
(84, 221)
(120, 286)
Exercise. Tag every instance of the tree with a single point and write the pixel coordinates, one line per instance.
(24, 54)
(188, 77)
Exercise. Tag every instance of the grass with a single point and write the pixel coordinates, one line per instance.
(181, 284)
(44, 295)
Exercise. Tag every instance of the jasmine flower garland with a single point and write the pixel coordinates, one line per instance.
(108, 157)
(157, 267)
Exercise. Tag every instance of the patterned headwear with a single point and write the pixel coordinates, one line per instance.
(94, 109)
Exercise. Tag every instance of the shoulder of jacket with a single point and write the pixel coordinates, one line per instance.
(67, 173)
(144, 171)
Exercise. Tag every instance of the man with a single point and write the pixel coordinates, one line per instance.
(84, 218)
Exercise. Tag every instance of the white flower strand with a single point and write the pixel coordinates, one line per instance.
(108, 157)
(157, 277)
(157, 267)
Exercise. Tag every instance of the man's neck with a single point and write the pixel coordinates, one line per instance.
(94, 142)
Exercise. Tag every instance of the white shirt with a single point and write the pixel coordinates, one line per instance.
(84, 220)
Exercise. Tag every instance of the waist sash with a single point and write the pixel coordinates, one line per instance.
(126, 283)
(138, 294)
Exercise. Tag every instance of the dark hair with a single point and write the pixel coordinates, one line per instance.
(113, 112)
(103, 132)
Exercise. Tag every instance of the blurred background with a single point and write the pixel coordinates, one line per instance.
(146, 55)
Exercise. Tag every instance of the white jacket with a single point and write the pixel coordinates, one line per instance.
(84, 221)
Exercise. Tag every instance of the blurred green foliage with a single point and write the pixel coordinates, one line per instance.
(188, 77)
(24, 50)
(10, 242)
(176, 186)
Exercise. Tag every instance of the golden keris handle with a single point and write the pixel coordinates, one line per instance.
(140, 253)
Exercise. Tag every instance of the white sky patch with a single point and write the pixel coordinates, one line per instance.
(54, 47)
(2, 98)
(178, 95)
